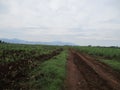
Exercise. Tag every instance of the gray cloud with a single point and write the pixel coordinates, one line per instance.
(63, 20)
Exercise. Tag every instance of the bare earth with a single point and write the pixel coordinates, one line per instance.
(86, 73)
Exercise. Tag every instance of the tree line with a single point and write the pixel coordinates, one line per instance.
(2, 41)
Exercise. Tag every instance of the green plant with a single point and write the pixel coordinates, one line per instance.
(50, 75)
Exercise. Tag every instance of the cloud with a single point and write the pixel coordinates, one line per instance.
(65, 20)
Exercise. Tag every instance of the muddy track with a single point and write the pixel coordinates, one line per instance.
(85, 73)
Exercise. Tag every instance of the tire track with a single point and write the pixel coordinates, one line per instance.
(85, 73)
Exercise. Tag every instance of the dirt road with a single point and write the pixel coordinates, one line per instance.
(85, 73)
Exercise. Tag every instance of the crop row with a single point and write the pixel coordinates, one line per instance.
(13, 52)
(13, 74)
(105, 52)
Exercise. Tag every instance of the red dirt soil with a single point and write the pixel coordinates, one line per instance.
(86, 73)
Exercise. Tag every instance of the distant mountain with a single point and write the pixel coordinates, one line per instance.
(18, 41)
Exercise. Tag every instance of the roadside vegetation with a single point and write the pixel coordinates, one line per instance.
(50, 75)
(113, 63)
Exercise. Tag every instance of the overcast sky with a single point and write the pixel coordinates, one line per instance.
(83, 22)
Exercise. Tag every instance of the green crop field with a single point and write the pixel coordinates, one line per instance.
(20, 64)
(13, 52)
(43, 67)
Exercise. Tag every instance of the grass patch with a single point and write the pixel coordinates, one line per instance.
(50, 75)
(113, 63)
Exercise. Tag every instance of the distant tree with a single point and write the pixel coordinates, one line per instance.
(0, 41)
(114, 47)
(89, 45)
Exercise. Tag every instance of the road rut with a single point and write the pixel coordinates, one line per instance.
(86, 73)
